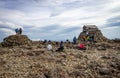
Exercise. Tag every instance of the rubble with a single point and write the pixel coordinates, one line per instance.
(22, 58)
(20, 61)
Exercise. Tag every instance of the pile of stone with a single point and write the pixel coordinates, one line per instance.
(92, 30)
(15, 40)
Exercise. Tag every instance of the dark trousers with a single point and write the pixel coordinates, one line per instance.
(60, 49)
(82, 48)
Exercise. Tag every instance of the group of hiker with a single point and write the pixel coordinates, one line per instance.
(61, 45)
(18, 30)
(49, 46)
(86, 40)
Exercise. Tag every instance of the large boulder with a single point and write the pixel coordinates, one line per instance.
(92, 30)
(15, 40)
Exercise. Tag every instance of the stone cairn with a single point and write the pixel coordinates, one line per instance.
(92, 30)
(15, 40)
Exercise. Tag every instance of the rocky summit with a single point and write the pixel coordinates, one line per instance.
(22, 58)
(15, 40)
(92, 30)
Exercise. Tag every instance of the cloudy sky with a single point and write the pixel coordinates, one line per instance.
(59, 19)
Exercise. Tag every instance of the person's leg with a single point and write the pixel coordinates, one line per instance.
(58, 49)
(84, 48)
(80, 48)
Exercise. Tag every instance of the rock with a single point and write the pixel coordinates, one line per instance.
(101, 48)
(104, 71)
(93, 29)
(76, 73)
(24, 61)
(118, 65)
(30, 54)
(118, 47)
(15, 40)
(2, 62)
(118, 75)
(56, 73)
(0, 45)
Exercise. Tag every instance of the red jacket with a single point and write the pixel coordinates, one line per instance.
(82, 46)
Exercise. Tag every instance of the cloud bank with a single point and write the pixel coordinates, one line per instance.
(59, 19)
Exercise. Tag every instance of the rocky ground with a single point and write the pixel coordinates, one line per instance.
(34, 61)
(22, 58)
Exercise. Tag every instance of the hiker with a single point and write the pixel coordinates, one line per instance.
(16, 30)
(49, 41)
(87, 33)
(82, 46)
(84, 28)
(74, 40)
(61, 47)
(49, 46)
(20, 31)
(88, 38)
(84, 38)
(92, 37)
(45, 41)
(67, 41)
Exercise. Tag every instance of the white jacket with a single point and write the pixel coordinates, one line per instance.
(49, 47)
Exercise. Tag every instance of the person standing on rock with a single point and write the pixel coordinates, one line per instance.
(88, 38)
(84, 28)
(84, 38)
(20, 31)
(92, 37)
(74, 40)
(16, 30)
(87, 33)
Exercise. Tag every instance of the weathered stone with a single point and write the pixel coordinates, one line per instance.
(101, 48)
(104, 71)
(31, 61)
(92, 30)
(15, 40)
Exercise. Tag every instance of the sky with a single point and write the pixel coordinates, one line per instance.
(58, 19)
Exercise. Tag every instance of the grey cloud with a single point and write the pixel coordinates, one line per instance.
(19, 11)
(114, 21)
(70, 30)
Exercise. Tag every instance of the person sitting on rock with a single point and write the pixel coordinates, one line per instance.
(45, 41)
(61, 47)
(49, 46)
(16, 30)
(82, 46)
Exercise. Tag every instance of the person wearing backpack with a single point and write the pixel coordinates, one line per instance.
(16, 30)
